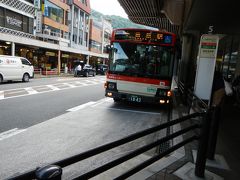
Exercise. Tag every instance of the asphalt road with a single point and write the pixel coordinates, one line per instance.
(22, 112)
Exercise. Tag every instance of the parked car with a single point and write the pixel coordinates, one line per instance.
(102, 69)
(87, 70)
(15, 68)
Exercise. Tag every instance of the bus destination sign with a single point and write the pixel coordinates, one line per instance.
(143, 36)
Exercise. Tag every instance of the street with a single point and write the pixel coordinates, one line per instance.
(46, 120)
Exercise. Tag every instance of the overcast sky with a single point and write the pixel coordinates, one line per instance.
(108, 7)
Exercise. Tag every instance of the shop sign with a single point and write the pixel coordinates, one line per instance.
(37, 4)
(39, 21)
(13, 21)
(50, 53)
(65, 55)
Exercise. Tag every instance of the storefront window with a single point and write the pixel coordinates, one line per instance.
(230, 56)
(95, 45)
(53, 12)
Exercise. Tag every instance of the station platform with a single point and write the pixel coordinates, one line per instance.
(227, 149)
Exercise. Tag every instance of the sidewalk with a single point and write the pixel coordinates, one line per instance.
(228, 145)
(36, 76)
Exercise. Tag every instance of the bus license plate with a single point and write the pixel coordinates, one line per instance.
(135, 99)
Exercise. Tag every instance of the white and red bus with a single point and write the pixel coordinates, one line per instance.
(140, 65)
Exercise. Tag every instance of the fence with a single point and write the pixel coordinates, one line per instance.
(46, 72)
(54, 170)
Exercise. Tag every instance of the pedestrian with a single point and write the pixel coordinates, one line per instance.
(78, 68)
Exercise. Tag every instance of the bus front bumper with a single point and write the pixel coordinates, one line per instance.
(137, 98)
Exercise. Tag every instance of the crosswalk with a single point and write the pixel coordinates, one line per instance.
(13, 93)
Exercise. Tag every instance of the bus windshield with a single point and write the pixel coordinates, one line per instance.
(141, 60)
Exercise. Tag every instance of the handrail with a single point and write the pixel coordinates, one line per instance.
(135, 153)
(108, 146)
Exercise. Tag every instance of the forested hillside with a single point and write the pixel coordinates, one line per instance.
(117, 21)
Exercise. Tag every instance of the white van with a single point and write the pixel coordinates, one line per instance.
(15, 68)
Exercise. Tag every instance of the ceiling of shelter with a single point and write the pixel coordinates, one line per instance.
(185, 15)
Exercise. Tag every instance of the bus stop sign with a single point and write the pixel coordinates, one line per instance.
(206, 66)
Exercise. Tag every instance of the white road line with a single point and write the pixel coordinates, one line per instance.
(30, 90)
(71, 85)
(53, 87)
(84, 84)
(1, 94)
(81, 106)
(88, 81)
(14, 92)
(10, 133)
(101, 101)
(142, 112)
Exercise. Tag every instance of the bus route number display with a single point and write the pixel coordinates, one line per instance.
(142, 36)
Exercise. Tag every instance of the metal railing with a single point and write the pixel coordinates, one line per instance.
(20, 5)
(54, 170)
(16, 33)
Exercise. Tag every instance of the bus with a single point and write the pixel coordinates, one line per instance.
(140, 66)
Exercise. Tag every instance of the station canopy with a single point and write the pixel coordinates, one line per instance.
(180, 16)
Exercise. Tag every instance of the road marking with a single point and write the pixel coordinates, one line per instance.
(10, 133)
(88, 81)
(142, 112)
(1, 95)
(30, 90)
(71, 85)
(101, 101)
(54, 88)
(84, 84)
(14, 92)
(81, 106)
(49, 88)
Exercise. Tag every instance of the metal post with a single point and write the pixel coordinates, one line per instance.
(13, 49)
(59, 62)
(203, 145)
(214, 133)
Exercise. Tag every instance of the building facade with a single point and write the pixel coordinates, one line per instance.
(52, 34)
(100, 33)
(79, 24)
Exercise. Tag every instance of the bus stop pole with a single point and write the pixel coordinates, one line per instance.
(203, 145)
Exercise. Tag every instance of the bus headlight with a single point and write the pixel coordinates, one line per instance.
(109, 94)
(162, 101)
(169, 93)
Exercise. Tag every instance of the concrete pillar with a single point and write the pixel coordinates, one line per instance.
(78, 20)
(13, 49)
(84, 29)
(186, 56)
(88, 57)
(59, 62)
(71, 32)
(103, 29)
